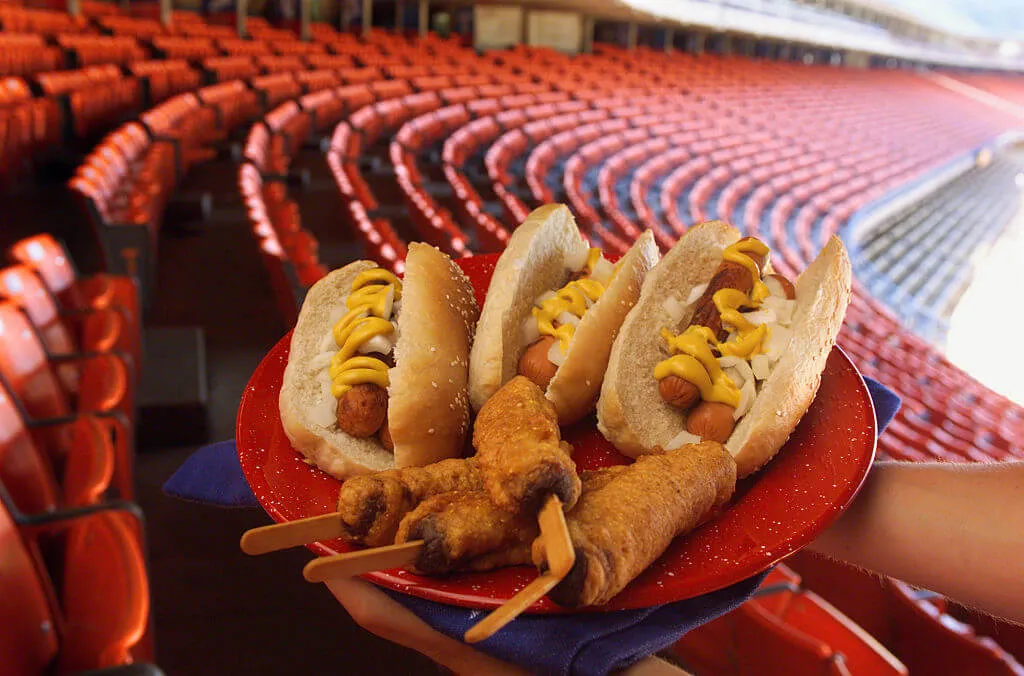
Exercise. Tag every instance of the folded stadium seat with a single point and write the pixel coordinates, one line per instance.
(332, 62)
(177, 47)
(96, 608)
(91, 50)
(62, 332)
(355, 75)
(125, 25)
(224, 68)
(295, 47)
(275, 89)
(96, 97)
(239, 47)
(29, 127)
(23, 54)
(39, 479)
(929, 641)
(163, 79)
(15, 19)
(187, 124)
(76, 293)
(124, 197)
(279, 64)
(234, 102)
(317, 80)
(324, 108)
(30, 375)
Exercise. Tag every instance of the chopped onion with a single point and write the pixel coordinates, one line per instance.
(762, 316)
(695, 293)
(682, 439)
(774, 287)
(567, 318)
(528, 331)
(321, 361)
(740, 365)
(735, 376)
(555, 354)
(380, 344)
(761, 366)
(578, 258)
(396, 308)
(603, 271)
(776, 342)
(747, 394)
(782, 308)
(674, 309)
(547, 295)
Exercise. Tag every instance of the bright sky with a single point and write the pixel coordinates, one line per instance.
(987, 327)
(995, 18)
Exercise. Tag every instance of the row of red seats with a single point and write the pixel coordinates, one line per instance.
(74, 595)
(28, 127)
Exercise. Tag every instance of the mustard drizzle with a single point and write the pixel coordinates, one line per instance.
(571, 298)
(367, 317)
(692, 357)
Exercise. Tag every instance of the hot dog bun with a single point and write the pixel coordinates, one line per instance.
(538, 259)
(428, 409)
(631, 413)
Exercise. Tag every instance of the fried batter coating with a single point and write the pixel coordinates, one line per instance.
(466, 531)
(627, 517)
(518, 446)
(372, 505)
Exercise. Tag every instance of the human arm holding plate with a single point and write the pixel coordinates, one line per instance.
(956, 529)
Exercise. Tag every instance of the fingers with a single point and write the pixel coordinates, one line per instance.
(381, 615)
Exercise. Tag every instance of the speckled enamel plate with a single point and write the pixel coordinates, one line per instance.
(773, 514)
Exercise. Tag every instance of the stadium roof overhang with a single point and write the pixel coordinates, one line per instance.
(717, 17)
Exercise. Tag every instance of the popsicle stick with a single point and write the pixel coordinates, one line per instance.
(558, 547)
(513, 608)
(351, 564)
(291, 534)
(561, 556)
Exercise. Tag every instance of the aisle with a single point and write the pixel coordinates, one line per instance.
(217, 611)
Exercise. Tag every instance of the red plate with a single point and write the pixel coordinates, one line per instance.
(778, 511)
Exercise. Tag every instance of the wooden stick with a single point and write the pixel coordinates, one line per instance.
(512, 608)
(351, 564)
(561, 556)
(292, 534)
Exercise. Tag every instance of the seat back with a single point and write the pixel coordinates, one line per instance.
(25, 473)
(21, 284)
(28, 641)
(26, 369)
(47, 256)
(105, 593)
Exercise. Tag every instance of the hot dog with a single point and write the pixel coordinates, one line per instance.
(720, 348)
(367, 350)
(553, 308)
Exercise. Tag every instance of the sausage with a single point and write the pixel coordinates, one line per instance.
(728, 276)
(362, 410)
(682, 393)
(711, 421)
(678, 392)
(535, 365)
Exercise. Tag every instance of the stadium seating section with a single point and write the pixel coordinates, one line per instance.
(469, 143)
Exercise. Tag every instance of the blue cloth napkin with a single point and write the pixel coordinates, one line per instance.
(582, 644)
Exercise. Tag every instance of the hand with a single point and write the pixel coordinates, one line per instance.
(377, 613)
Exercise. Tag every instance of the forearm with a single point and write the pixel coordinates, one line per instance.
(954, 529)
